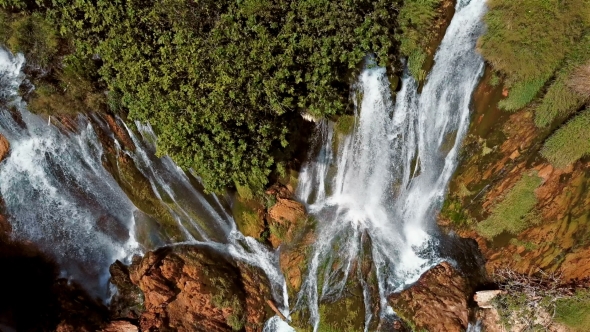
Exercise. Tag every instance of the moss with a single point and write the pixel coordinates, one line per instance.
(345, 124)
(453, 211)
(512, 214)
(521, 94)
(574, 312)
(248, 219)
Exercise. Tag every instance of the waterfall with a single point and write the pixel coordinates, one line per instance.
(383, 183)
(59, 196)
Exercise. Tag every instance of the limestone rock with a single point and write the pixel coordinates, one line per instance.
(120, 326)
(286, 211)
(437, 302)
(484, 298)
(4, 147)
(190, 288)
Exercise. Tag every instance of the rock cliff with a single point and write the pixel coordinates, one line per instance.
(438, 301)
(193, 288)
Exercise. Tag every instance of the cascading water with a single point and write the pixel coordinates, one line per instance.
(59, 196)
(385, 182)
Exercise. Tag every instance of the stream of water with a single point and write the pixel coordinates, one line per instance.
(375, 191)
(59, 195)
(381, 186)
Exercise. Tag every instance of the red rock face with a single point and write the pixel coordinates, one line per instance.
(437, 302)
(4, 147)
(190, 288)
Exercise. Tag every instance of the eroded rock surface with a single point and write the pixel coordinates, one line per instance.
(437, 302)
(189, 288)
(4, 147)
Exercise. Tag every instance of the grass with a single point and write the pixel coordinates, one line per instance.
(521, 94)
(570, 142)
(415, 21)
(561, 100)
(528, 39)
(574, 312)
(512, 214)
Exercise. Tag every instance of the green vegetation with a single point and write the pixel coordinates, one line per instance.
(452, 210)
(345, 124)
(512, 214)
(416, 33)
(561, 98)
(522, 94)
(570, 142)
(31, 35)
(527, 40)
(574, 312)
(537, 45)
(223, 82)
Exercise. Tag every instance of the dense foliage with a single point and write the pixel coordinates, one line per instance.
(223, 82)
(417, 32)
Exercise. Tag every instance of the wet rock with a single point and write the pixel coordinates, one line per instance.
(4, 147)
(437, 302)
(284, 218)
(127, 303)
(190, 288)
(120, 326)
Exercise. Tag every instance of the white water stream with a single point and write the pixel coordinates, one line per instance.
(385, 182)
(375, 196)
(59, 196)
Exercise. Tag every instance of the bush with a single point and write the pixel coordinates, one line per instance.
(527, 40)
(415, 24)
(574, 312)
(561, 98)
(33, 36)
(570, 142)
(512, 214)
(521, 94)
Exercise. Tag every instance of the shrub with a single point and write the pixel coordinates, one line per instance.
(574, 311)
(521, 94)
(570, 142)
(527, 40)
(415, 24)
(512, 214)
(561, 98)
(33, 36)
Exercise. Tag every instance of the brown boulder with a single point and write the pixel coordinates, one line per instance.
(120, 326)
(283, 218)
(190, 288)
(4, 147)
(437, 302)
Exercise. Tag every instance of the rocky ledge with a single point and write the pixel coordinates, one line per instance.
(191, 288)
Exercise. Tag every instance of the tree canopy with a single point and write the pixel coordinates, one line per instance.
(223, 82)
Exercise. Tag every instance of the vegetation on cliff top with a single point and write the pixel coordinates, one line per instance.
(570, 142)
(540, 49)
(222, 82)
